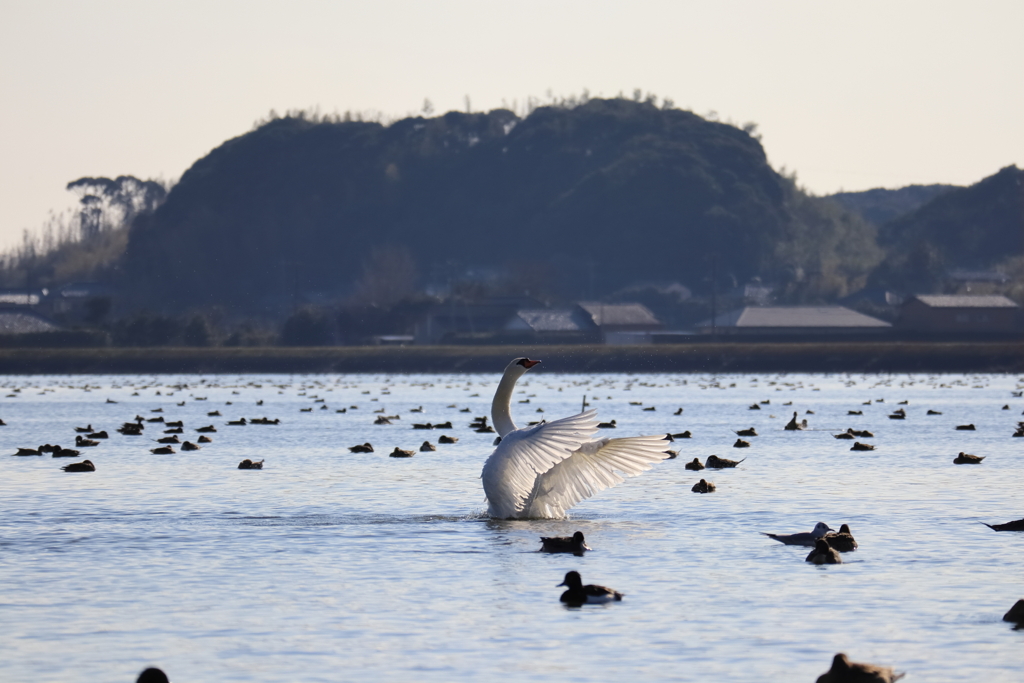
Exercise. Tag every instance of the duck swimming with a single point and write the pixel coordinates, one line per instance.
(1016, 525)
(704, 486)
(968, 459)
(823, 553)
(248, 464)
(715, 463)
(542, 471)
(845, 671)
(805, 538)
(578, 594)
(694, 465)
(84, 466)
(842, 541)
(361, 448)
(564, 544)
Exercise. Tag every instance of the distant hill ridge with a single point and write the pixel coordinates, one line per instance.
(881, 205)
(592, 198)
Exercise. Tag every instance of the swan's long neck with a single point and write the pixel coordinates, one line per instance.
(501, 406)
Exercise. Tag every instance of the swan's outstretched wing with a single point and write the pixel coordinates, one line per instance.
(509, 474)
(595, 466)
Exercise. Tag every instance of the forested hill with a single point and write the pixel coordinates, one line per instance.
(881, 205)
(980, 227)
(588, 198)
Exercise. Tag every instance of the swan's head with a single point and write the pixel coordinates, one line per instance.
(519, 366)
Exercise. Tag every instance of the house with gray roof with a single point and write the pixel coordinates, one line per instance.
(960, 314)
(24, 322)
(794, 321)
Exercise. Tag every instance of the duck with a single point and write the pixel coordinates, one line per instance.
(84, 466)
(968, 459)
(1016, 525)
(933, 412)
(447, 439)
(678, 412)
(381, 420)
(174, 430)
(564, 544)
(162, 450)
(854, 412)
(716, 463)
(747, 432)
(28, 451)
(361, 448)
(240, 422)
(842, 541)
(704, 486)
(793, 425)
(740, 443)
(1016, 613)
(189, 446)
(578, 594)
(858, 446)
(754, 406)
(399, 453)
(607, 425)
(805, 538)
(204, 439)
(965, 428)
(152, 675)
(213, 413)
(98, 435)
(59, 452)
(672, 455)
(169, 439)
(176, 423)
(694, 465)
(682, 435)
(844, 435)
(427, 447)
(845, 671)
(84, 430)
(823, 553)
(85, 443)
(207, 429)
(544, 470)
(248, 464)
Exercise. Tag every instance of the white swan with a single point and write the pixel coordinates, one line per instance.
(542, 471)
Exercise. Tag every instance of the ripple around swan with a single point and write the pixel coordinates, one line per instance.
(387, 569)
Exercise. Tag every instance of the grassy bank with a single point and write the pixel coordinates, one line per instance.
(704, 357)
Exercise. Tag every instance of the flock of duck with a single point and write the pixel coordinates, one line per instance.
(542, 470)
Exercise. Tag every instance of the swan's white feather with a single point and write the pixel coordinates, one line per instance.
(595, 466)
(510, 474)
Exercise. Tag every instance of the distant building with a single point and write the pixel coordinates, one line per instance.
(455, 321)
(10, 298)
(793, 321)
(960, 314)
(24, 322)
(588, 322)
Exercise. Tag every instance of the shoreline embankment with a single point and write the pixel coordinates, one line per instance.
(707, 357)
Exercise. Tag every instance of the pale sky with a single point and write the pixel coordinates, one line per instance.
(850, 95)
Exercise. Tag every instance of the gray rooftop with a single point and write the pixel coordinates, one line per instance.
(965, 301)
(547, 320)
(619, 314)
(23, 322)
(795, 316)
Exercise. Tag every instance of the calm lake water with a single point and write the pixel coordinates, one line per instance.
(330, 566)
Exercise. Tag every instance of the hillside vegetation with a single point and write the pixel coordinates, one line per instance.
(568, 201)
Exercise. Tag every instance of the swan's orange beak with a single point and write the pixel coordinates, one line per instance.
(527, 363)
